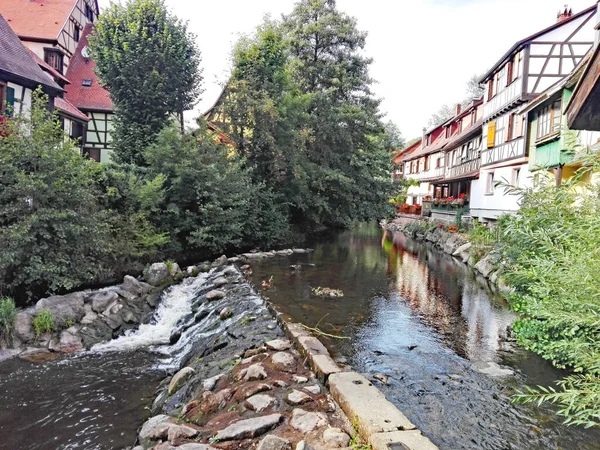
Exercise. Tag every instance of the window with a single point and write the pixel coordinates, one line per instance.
(516, 177)
(512, 127)
(54, 58)
(76, 34)
(427, 163)
(491, 138)
(438, 163)
(489, 186)
(89, 13)
(7, 100)
(490, 89)
(549, 120)
(509, 73)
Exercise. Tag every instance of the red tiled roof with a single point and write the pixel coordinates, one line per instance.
(47, 67)
(42, 19)
(405, 153)
(15, 61)
(93, 97)
(63, 105)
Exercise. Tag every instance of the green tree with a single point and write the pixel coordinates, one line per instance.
(53, 233)
(211, 203)
(149, 63)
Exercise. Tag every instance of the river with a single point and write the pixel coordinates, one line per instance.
(425, 321)
(412, 314)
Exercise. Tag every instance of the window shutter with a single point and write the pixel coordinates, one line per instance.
(491, 138)
(10, 101)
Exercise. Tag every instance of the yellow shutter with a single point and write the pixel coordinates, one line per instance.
(491, 139)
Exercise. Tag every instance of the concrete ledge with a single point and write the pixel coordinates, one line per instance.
(364, 403)
(401, 440)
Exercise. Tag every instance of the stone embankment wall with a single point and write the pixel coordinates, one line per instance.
(454, 244)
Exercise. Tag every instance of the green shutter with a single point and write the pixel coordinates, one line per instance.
(10, 101)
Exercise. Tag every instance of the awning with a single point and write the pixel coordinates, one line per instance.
(467, 176)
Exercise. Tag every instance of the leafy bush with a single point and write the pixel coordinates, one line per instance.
(8, 315)
(43, 322)
(552, 249)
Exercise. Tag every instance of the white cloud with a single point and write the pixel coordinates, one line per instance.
(424, 51)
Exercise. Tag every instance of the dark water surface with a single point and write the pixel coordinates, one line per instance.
(426, 321)
(88, 402)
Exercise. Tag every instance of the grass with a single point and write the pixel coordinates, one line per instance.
(356, 442)
(43, 322)
(8, 315)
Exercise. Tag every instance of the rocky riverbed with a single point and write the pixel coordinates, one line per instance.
(243, 387)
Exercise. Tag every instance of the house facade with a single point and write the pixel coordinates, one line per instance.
(426, 165)
(20, 75)
(55, 33)
(462, 155)
(399, 160)
(528, 69)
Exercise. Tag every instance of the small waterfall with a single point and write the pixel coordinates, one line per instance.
(175, 304)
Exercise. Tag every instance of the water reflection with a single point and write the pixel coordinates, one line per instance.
(448, 298)
(423, 319)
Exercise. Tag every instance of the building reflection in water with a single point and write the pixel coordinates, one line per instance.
(447, 296)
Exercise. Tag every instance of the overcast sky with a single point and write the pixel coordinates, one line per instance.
(424, 50)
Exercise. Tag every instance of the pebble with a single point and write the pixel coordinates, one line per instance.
(260, 402)
(253, 373)
(215, 295)
(315, 389)
(249, 428)
(210, 383)
(274, 443)
(336, 438)
(283, 361)
(300, 380)
(278, 345)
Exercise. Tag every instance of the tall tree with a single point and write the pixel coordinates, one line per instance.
(149, 63)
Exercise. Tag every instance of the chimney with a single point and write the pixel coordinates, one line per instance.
(564, 14)
(458, 109)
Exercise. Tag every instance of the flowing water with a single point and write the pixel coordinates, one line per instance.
(425, 321)
(98, 399)
(412, 313)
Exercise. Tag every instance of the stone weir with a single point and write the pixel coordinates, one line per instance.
(248, 380)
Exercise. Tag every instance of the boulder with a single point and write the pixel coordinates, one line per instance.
(156, 274)
(192, 271)
(134, 286)
(23, 329)
(178, 432)
(249, 428)
(220, 261)
(214, 295)
(260, 402)
(336, 438)
(306, 422)
(101, 300)
(279, 345)
(284, 361)
(179, 378)
(274, 443)
(297, 398)
(253, 373)
(485, 267)
(64, 308)
(156, 428)
(70, 341)
(463, 252)
(174, 270)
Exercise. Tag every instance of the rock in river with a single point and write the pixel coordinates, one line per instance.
(249, 428)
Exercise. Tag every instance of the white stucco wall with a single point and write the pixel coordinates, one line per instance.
(22, 102)
(491, 206)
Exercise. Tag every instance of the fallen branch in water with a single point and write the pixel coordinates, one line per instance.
(319, 332)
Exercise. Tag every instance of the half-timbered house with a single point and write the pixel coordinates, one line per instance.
(528, 68)
(426, 164)
(583, 112)
(20, 75)
(462, 156)
(553, 147)
(398, 161)
(86, 93)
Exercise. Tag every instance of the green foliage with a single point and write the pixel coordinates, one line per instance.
(54, 234)
(483, 240)
(149, 63)
(551, 248)
(68, 322)
(8, 315)
(210, 202)
(43, 322)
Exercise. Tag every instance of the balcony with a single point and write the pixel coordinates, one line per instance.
(503, 100)
(464, 169)
(550, 154)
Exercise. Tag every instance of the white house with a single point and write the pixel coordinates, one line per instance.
(529, 68)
